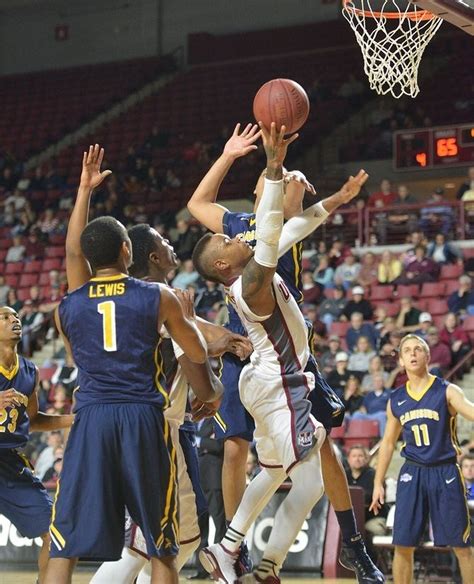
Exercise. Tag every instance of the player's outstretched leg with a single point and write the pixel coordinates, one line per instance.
(403, 565)
(354, 555)
(465, 558)
(59, 570)
(43, 558)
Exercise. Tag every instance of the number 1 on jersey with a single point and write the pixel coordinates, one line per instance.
(107, 310)
(422, 438)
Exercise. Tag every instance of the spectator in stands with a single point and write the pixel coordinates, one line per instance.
(368, 271)
(31, 322)
(171, 180)
(460, 300)
(360, 358)
(324, 273)
(440, 353)
(188, 236)
(389, 268)
(66, 374)
(421, 269)
(360, 329)
(17, 199)
(351, 397)
(38, 181)
(331, 309)
(208, 298)
(13, 301)
(467, 470)
(409, 316)
(8, 180)
(425, 322)
(375, 368)
(16, 252)
(312, 292)
(338, 252)
(4, 290)
(346, 273)
(327, 361)
(49, 222)
(252, 467)
(310, 311)
(357, 304)
(52, 474)
(61, 403)
(186, 276)
(455, 337)
(8, 217)
(34, 245)
(360, 474)
(388, 351)
(46, 458)
(437, 216)
(380, 314)
(384, 197)
(386, 330)
(467, 185)
(442, 251)
(403, 221)
(339, 376)
(374, 405)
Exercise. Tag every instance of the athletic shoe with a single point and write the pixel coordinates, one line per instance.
(270, 579)
(219, 563)
(244, 564)
(354, 557)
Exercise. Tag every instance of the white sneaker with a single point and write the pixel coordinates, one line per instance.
(219, 563)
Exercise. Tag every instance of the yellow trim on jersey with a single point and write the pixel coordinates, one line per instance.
(108, 278)
(419, 395)
(26, 461)
(467, 532)
(297, 251)
(52, 528)
(158, 358)
(221, 368)
(10, 374)
(57, 535)
(171, 490)
(220, 421)
(454, 434)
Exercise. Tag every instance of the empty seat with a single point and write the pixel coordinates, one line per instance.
(340, 328)
(14, 268)
(381, 293)
(409, 291)
(451, 271)
(432, 289)
(51, 264)
(28, 280)
(436, 307)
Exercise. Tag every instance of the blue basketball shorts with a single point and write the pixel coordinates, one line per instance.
(23, 499)
(435, 493)
(232, 419)
(326, 406)
(117, 456)
(187, 439)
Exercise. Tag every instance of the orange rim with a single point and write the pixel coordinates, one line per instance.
(412, 15)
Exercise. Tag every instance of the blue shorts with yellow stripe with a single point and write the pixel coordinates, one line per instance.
(434, 493)
(23, 499)
(117, 456)
(232, 420)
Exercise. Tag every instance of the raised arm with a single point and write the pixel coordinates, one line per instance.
(77, 268)
(389, 441)
(258, 273)
(303, 225)
(202, 205)
(458, 402)
(40, 422)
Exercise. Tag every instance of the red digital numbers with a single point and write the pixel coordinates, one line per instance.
(446, 147)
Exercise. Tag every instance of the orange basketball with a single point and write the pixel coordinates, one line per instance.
(282, 101)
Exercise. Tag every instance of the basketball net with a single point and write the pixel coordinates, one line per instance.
(392, 40)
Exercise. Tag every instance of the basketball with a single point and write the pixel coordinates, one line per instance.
(282, 101)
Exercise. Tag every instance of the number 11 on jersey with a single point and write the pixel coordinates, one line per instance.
(107, 310)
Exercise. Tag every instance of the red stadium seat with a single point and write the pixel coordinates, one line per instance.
(23, 294)
(28, 280)
(468, 252)
(468, 324)
(451, 271)
(339, 328)
(409, 291)
(364, 432)
(432, 289)
(3, 254)
(56, 251)
(391, 309)
(381, 293)
(5, 243)
(436, 307)
(44, 279)
(14, 268)
(11, 280)
(32, 267)
(451, 286)
(45, 373)
(338, 433)
(51, 264)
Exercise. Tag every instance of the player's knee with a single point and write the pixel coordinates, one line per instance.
(235, 451)
(463, 553)
(404, 551)
(46, 537)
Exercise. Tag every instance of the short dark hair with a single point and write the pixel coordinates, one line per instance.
(102, 240)
(143, 244)
(201, 262)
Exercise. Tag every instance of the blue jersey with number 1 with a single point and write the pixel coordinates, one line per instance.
(289, 265)
(112, 325)
(429, 429)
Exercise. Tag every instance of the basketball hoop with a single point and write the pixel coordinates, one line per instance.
(392, 39)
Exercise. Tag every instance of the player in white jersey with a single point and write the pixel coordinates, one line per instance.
(274, 386)
(154, 258)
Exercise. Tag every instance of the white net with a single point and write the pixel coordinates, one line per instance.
(392, 39)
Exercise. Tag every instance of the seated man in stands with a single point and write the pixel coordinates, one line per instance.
(409, 316)
(467, 470)
(357, 304)
(403, 221)
(442, 251)
(461, 299)
(440, 353)
(374, 405)
(359, 328)
(437, 215)
(421, 269)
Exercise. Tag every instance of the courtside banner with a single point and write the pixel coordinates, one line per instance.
(14, 547)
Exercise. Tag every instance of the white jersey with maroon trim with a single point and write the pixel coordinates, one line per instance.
(280, 340)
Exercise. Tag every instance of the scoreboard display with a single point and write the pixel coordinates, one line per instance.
(433, 147)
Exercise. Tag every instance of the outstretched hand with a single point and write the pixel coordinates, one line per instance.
(378, 499)
(240, 144)
(352, 187)
(201, 410)
(275, 143)
(92, 176)
(299, 177)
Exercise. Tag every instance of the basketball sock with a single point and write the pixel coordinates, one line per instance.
(145, 574)
(307, 488)
(347, 523)
(256, 496)
(267, 567)
(124, 571)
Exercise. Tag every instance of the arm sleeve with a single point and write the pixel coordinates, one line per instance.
(299, 227)
(269, 223)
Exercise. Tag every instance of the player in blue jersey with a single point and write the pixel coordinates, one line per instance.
(111, 327)
(233, 422)
(23, 499)
(430, 484)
